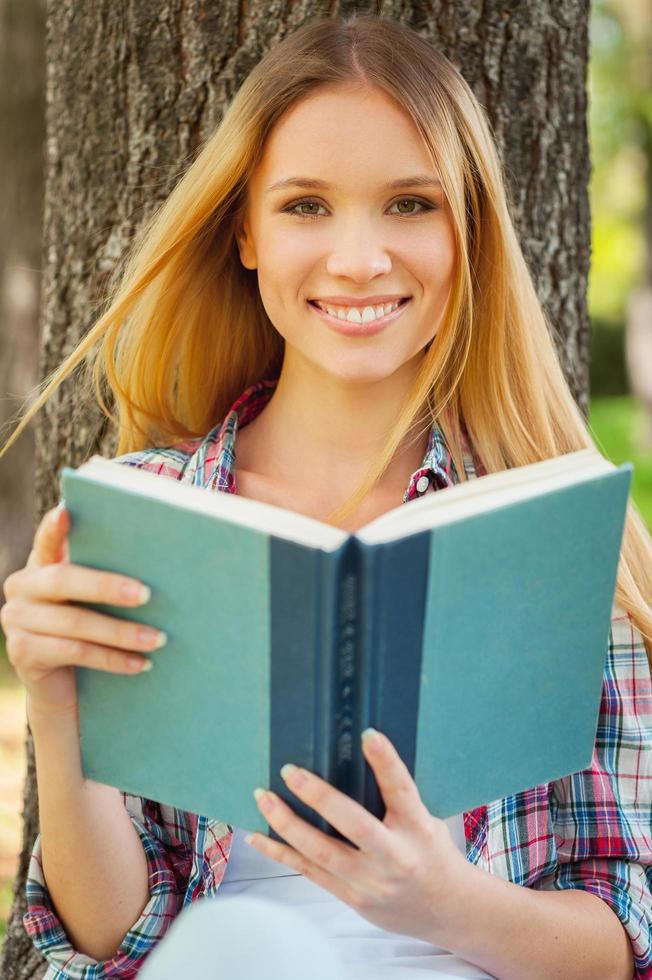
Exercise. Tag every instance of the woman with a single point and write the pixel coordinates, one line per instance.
(354, 171)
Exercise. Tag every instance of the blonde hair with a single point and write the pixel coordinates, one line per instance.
(185, 331)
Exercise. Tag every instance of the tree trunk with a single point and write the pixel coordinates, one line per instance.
(22, 123)
(133, 87)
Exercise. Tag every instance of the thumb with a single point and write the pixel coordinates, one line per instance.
(50, 545)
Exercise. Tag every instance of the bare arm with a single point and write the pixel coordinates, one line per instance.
(93, 860)
(517, 933)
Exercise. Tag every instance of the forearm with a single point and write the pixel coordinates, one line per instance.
(518, 933)
(93, 860)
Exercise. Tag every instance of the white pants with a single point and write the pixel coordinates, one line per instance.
(245, 938)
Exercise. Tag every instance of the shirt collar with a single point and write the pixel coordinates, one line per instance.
(213, 463)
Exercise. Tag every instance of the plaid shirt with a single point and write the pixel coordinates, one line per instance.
(591, 830)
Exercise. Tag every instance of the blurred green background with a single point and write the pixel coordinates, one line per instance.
(620, 121)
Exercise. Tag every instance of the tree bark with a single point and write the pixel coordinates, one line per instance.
(133, 87)
(22, 123)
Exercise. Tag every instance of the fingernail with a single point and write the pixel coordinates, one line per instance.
(291, 772)
(136, 591)
(145, 594)
(370, 737)
(263, 799)
(153, 639)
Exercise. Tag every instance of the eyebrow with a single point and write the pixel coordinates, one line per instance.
(418, 180)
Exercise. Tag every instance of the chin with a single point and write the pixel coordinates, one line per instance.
(362, 370)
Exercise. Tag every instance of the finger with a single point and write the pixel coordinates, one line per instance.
(63, 582)
(49, 538)
(74, 622)
(351, 819)
(398, 789)
(34, 655)
(298, 862)
(331, 855)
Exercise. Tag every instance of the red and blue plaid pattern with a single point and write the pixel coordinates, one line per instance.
(591, 830)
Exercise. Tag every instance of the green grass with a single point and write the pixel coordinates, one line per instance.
(614, 423)
(6, 898)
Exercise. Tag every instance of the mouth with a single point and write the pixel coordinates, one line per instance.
(360, 321)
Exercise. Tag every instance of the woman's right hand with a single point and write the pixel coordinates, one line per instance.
(47, 636)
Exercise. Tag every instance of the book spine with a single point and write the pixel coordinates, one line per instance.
(338, 656)
(347, 676)
(371, 615)
(326, 665)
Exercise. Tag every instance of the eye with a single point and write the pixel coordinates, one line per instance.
(310, 203)
(291, 208)
(425, 205)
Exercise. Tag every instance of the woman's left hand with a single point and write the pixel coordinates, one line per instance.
(407, 876)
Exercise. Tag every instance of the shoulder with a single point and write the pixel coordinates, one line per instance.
(627, 666)
(171, 461)
(624, 735)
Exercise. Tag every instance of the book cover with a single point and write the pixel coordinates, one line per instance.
(477, 646)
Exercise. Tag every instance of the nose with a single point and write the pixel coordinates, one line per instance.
(358, 254)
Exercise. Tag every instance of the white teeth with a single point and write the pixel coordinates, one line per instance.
(354, 314)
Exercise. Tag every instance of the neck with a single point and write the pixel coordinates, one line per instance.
(326, 432)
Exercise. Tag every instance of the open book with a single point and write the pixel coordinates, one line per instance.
(470, 626)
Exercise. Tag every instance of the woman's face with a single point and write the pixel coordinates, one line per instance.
(354, 242)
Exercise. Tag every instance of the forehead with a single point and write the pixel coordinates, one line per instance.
(346, 135)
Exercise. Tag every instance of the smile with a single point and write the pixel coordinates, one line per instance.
(360, 322)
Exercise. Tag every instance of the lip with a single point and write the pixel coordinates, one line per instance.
(365, 301)
(360, 329)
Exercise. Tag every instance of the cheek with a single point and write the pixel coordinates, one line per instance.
(435, 261)
(290, 249)
(290, 265)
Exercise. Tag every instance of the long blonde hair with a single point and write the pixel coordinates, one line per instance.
(184, 330)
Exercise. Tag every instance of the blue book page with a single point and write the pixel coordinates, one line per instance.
(517, 616)
(193, 732)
